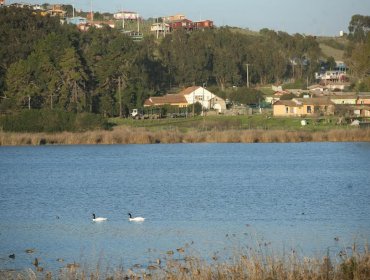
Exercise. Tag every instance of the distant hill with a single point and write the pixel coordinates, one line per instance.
(333, 46)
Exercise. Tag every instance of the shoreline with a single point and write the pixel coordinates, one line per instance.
(253, 265)
(130, 135)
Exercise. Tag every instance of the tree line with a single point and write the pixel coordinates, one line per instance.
(46, 65)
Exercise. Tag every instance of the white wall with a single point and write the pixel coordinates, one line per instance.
(206, 98)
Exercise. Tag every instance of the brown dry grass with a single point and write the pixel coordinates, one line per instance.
(129, 135)
(252, 266)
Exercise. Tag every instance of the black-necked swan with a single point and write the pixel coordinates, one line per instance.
(98, 219)
(136, 219)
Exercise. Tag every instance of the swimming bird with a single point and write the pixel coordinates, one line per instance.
(98, 219)
(136, 219)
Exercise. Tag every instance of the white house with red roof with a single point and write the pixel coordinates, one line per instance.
(189, 96)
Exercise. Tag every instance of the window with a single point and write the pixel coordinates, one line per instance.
(286, 110)
(309, 110)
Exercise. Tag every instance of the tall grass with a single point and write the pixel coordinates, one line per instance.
(251, 265)
(130, 135)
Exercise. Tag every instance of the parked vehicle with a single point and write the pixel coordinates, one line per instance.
(137, 114)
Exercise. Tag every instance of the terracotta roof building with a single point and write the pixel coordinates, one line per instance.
(189, 96)
(304, 106)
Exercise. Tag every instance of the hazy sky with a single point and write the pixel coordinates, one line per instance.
(313, 17)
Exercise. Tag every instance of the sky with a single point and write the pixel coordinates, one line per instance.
(310, 17)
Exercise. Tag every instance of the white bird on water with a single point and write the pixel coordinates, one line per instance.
(136, 219)
(98, 219)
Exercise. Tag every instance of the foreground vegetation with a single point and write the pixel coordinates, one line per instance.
(249, 266)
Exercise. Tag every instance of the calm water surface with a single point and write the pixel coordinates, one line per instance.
(209, 198)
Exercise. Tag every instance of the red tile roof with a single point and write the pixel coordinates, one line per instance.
(189, 90)
(166, 99)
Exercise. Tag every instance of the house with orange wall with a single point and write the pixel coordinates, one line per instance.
(298, 107)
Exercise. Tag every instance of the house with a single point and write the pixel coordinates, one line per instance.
(272, 99)
(362, 111)
(207, 99)
(363, 98)
(57, 11)
(37, 7)
(160, 27)
(76, 20)
(336, 75)
(316, 88)
(343, 99)
(189, 96)
(19, 5)
(126, 15)
(168, 99)
(304, 107)
(203, 24)
(174, 18)
(101, 24)
(185, 24)
(336, 86)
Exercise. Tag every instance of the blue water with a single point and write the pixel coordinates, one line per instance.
(208, 198)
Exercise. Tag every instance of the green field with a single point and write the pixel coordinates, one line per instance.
(222, 123)
(333, 46)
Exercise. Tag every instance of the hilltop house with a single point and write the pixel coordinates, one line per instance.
(185, 24)
(304, 107)
(76, 20)
(126, 15)
(160, 27)
(203, 24)
(173, 18)
(189, 96)
(57, 11)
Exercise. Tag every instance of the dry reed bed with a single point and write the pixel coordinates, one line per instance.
(128, 135)
(249, 267)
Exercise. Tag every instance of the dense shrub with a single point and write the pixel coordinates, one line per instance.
(51, 121)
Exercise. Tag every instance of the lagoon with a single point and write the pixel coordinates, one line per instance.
(211, 199)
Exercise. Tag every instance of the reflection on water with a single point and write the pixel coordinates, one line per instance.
(205, 198)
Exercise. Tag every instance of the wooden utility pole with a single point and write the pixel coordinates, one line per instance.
(247, 75)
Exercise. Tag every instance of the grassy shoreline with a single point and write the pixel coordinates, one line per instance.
(139, 135)
(249, 265)
(209, 129)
